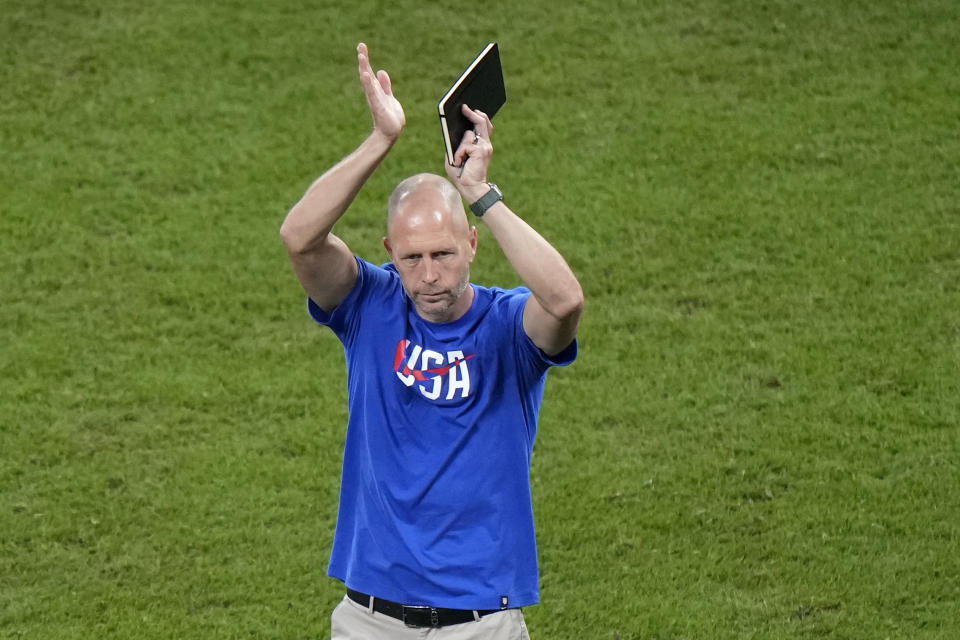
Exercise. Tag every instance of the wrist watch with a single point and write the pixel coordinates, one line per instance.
(489, 199)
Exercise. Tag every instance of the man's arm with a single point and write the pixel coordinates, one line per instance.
(323, 263)
(552, 313)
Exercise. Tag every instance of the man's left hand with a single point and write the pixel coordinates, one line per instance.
(476, 150)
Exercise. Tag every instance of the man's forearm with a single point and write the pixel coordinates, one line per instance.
(540, 266)
(310, 221)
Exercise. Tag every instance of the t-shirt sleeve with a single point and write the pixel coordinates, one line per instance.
(373, 284)
(529, 352)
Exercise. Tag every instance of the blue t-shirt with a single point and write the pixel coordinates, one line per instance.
(435, 504)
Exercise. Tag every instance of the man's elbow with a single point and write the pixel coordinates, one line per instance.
(289, 240)
(295, 242)
(570, 305)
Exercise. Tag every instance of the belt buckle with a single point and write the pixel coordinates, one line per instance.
(434, 616)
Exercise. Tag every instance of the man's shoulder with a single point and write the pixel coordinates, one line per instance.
(386, 266)
(498, 302)
(373, 276)
(375, 285)
(501, 295)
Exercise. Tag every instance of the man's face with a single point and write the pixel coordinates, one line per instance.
(432, 249)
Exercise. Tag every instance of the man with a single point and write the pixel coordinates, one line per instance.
(445, 380)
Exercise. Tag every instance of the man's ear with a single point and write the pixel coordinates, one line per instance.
(386, 245)
(473, 243)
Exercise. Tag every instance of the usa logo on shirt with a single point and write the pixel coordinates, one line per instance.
(432, 371)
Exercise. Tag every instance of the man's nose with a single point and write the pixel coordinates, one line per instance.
(430, 272)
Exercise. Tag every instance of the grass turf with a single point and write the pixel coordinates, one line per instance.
(759, 439)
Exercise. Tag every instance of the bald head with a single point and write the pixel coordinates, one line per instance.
(423, 197)
(431, 245)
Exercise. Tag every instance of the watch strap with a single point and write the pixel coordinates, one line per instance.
(490, 198)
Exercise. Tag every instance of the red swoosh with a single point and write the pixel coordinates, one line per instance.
(418, 374)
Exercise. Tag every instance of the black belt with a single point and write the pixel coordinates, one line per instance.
(418, 616)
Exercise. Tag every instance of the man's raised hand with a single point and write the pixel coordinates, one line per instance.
(477, 148)
(388, 117)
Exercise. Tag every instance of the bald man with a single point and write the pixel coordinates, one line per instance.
(445, 381)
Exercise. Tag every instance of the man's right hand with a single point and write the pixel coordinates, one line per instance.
(323, 262)
(388, 117)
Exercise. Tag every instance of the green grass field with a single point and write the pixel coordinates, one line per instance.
(759, 440)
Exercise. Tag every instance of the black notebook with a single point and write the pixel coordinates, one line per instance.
(480, 87)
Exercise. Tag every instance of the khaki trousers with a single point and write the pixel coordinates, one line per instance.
(351, 621)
